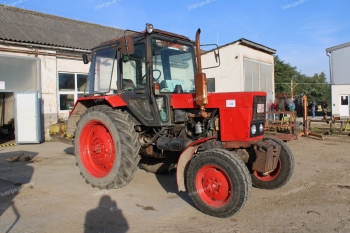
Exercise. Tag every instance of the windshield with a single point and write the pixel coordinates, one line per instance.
(102, 67)
(172, 65)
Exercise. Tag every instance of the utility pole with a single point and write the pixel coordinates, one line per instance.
(292, 85)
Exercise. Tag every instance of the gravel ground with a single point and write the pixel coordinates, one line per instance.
(47, 194)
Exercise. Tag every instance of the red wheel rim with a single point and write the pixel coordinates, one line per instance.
(272, 175)
(97, 149)
(213, 185)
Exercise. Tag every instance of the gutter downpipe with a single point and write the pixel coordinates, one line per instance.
(330, 78)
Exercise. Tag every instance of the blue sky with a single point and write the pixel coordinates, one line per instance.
(299, 33)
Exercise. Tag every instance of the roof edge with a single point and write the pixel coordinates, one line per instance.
(44, 46)
(250, 44)
(257, 46)
(331, 49)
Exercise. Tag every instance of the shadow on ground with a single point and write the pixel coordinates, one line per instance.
(14, 177)
(169, 184)
(69, 151)
(105, 218)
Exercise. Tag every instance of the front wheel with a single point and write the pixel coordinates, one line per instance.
(283, 172)
(218, 183)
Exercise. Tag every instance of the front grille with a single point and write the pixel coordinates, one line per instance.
(259, 108)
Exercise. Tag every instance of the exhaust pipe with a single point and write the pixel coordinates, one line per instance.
(200, 80)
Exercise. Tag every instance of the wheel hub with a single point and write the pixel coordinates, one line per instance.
(97, 147)
(213, 185)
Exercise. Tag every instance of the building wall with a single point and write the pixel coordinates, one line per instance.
(230, 76)
(48, 91)
(340, 66)
(337, 91)
(50, 66)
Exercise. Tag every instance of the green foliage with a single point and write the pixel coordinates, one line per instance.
(315, 87)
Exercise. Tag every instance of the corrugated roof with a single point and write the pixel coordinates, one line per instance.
(34, 27)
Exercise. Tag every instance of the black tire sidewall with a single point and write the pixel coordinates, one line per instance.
(109, 124)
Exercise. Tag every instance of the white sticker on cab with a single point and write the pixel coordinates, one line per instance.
(230, 103)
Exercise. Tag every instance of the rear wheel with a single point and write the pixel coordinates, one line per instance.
(218, 183)
(106, 147)
(283, 172)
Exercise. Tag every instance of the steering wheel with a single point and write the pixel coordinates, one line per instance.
(160, 74)
(154, 79)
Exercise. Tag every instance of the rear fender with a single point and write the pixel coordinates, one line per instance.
(84, 103)
(184, 161)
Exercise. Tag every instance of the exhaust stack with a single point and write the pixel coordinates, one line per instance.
(200, 80)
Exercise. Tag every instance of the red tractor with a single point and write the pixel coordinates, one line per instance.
(146, 102)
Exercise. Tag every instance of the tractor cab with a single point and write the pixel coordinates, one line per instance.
(144, 70)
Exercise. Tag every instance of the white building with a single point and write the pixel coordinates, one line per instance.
(245, 66)
(339, 62)
(41, 54)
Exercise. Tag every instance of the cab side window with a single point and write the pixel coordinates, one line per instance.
(134, 69)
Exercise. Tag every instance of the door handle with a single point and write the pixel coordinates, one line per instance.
(140, 92)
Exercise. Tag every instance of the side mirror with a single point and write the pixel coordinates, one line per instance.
(217, 56)
(215, 50)
(85, 58)
(127, 45)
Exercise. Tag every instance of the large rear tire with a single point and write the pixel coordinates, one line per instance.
(281, 175)
(106, 147)
(218, 182)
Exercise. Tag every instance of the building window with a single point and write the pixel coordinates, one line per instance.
(345, 100)
(70, 88)
(211, 84)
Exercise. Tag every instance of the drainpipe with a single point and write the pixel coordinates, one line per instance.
(330, 78)
(330, 67)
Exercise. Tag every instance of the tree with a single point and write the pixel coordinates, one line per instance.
(284, 72)
(317, 90)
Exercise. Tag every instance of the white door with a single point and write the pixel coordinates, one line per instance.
(344, 105)
(27, 118)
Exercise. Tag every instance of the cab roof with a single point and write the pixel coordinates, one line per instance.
(155, 31)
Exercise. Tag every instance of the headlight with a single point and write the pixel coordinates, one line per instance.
(261, 128)
(149, 28)
(253, 129)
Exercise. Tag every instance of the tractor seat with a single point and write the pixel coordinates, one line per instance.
(169, 85)
(128, 84)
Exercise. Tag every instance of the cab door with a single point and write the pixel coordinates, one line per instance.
(135, 89)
